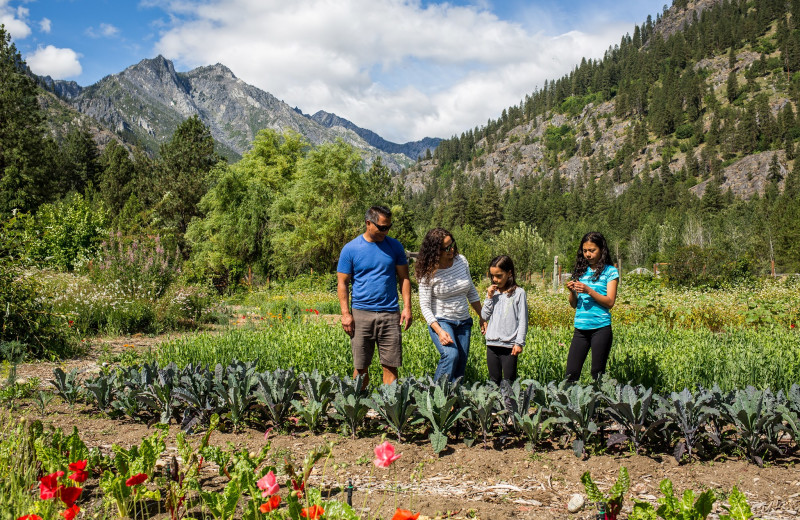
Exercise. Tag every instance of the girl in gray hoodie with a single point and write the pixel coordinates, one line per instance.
(506, 310)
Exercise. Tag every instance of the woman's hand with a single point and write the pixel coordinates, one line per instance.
(444, 337)
(516, 350)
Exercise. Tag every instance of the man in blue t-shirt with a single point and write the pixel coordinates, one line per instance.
(374, 263)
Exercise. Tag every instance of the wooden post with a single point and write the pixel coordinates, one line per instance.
(772, 267)
(555, 273)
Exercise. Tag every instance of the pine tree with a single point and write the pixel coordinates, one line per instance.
(23, 179)
(116, 178)
(732, 87)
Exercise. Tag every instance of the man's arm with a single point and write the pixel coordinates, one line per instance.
(343, 291)
(405, 290)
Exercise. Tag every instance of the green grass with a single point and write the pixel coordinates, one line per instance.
(665, 359)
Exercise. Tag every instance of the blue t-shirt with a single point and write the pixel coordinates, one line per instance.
(373, 268)
(588, 313)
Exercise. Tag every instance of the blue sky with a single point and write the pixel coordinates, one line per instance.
(403, 68)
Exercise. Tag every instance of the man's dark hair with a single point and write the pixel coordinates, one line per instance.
(374, 211)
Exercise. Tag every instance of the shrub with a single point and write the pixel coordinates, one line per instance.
(28, 322)
(141, 266)
(62, 234)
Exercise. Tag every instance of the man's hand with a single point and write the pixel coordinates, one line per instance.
(406, 318)
(348, 324)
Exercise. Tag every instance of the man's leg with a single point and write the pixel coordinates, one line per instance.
(363, 343)
(389, 375)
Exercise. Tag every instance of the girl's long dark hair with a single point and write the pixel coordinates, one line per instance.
(581, 264)
(504, 263)
(428, 256)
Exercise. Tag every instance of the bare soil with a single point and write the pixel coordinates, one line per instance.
(503, 480)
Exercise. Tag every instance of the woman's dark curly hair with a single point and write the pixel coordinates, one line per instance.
(581, 264)
(428, 256)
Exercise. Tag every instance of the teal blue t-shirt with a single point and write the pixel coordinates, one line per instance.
(373, 266)
(588, 313)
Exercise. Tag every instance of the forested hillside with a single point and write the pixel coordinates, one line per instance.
(681, 140)
(680, 145)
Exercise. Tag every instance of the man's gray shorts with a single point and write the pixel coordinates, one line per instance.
(382, 328)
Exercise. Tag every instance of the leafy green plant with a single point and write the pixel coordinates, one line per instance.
(395, 403)
(575, 407)
(673, 508)
(534, 425)
(138, 460)
(197, 392)
(483, 400)
(738, 509)
(319, 393)
(67, 385)
(688, 413)
(100, 389)
(233, 387)
(42, 398)
(157, 392)
(351, 403)
(611, 502)
(276, 390)
(631, 408)
(439, 405)
(756, 421)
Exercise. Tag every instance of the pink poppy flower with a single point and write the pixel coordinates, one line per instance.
(268, 484)
(384, 455)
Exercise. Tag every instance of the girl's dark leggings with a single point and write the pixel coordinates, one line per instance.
(502, 365)
(596, 340)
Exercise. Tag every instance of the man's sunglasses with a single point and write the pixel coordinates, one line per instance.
(382, 229)
(449, 248)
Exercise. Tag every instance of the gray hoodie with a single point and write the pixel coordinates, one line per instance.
(507, 317)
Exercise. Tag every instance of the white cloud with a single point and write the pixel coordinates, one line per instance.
(55, 62)
(104, 30)
(14, 20)
(44, 25)
(393, 66)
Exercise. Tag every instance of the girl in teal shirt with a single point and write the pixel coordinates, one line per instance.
(592, 293)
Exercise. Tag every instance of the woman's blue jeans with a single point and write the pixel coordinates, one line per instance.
(453, 360)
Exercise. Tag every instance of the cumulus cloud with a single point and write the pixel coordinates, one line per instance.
(44, 25)
(104, 30)
(15, 20)
(54, 62)
(398, 67)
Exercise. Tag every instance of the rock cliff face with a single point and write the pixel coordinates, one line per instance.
(146, 102)
(412, 149)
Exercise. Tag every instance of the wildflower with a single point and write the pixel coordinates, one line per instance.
(78, 473)
(136, 479)
(268, 484)
(69, 495)
(71, 512)
(48, 485)
(271, 504)
(312, 512)
(384, 455)
(404, 514)
(30, 517)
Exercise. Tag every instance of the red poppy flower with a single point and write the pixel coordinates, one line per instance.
(78, 465)
(78, 474)
(30, 517)
(404, 514)
(70, 513)
(48, 485)
(313, 513)
(271, 504)
(136, 479)
(69, 495)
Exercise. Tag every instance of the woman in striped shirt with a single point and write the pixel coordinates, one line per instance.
(446, 292)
